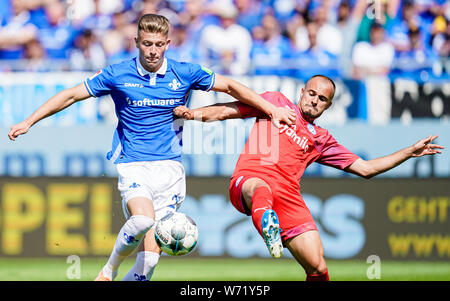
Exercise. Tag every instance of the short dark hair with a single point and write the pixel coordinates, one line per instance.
(376, 26)
(414, 30)
(326, 77)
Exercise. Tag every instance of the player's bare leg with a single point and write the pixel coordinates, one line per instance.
(258, 198)
(130, 236)
(307, 249)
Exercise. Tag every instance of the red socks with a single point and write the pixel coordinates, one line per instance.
(318, 277)
(261, 201)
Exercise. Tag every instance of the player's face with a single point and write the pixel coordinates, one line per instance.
(152, 47)
(315, 98)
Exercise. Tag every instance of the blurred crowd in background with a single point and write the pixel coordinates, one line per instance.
(347, 38)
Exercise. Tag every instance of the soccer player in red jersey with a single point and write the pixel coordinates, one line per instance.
(266, 181)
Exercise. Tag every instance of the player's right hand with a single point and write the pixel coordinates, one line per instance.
(18, 129)
(286, 115)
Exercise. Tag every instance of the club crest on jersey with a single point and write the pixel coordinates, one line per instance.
(174, 85)
(311, 128)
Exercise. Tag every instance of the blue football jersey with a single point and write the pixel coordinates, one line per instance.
(144, 104)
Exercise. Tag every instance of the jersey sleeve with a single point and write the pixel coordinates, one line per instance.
(334, 154)
(201, 77)
(248, 111)
(101, 83)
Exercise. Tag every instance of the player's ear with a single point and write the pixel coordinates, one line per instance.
(136, 40)
(301, 93)
(167, 44)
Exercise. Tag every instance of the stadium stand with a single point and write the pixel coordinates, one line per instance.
(311, 35)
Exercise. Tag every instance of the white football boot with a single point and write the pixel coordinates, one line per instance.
(271, 232)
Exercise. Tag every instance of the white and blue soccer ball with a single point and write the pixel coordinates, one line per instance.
(176, 234)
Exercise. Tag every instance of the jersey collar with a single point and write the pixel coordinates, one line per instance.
(142, 71)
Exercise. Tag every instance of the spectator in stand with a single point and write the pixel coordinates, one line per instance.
(440, 20)
(316, 59)
(282, 10)
(99, 22)
(59, 36)
(441, 45)
(130, 49)
(297, 32)
(329, 37)
(34, 50)
(16, 29)
(250, 13)
(382, 12)
(268, 55)
(429, 10)
(116, 41)
(182, 48)
(5, 10)
(440, 29)
(149, 7)
(129, 5)
(35, 9)
(35, 57)
(372, 62)
(226, 46)
(88, 54)
(194, 18)
(408, 17)
(417, 61)
(90, 12)
(374, 57)
(348, 20)
(258, 34)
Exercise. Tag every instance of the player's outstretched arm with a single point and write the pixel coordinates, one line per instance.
(55, 104)
(249, 97)
(221, 111)
(371, 168)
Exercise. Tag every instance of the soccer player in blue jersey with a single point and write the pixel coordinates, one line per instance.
(147, 144)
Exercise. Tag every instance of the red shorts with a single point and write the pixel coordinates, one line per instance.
(293, 215)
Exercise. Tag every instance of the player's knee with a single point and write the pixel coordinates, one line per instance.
(316, 266)
(249, 187)
(140, 224)
(322, 268)
(132, 233)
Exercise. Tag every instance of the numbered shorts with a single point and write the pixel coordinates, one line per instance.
(162, 182)
(293, 215)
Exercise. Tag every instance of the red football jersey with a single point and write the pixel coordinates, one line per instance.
(283, 154)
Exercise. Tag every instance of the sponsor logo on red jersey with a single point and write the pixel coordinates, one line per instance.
(291, 133)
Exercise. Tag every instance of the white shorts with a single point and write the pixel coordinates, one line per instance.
(162, 182)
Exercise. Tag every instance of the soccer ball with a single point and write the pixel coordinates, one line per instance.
(176, 234)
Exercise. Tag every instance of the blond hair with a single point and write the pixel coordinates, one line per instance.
(154, 23)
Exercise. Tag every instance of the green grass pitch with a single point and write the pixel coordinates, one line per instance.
(213, 269)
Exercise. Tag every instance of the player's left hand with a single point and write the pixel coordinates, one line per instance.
(425, 147)
(183, 112)
(286, 115)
